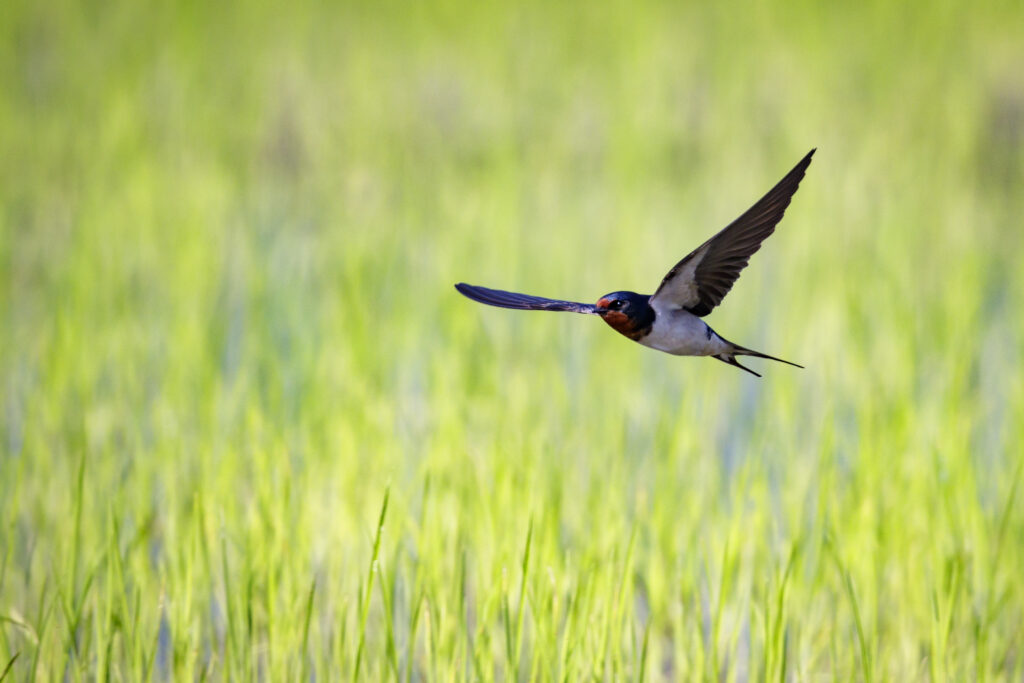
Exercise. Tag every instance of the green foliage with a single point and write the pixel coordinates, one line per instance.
(250, 431)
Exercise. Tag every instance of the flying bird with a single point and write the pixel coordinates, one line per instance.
(670, 319)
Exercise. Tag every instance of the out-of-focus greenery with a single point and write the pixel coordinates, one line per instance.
(228, 238)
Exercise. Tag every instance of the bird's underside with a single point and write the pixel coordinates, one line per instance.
(670, 319)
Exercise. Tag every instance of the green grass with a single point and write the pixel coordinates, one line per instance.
(250, 431)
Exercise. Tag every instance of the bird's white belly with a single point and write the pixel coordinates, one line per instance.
(683, 334)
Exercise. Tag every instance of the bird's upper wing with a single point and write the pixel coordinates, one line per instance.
(700, 281)
(525, 302)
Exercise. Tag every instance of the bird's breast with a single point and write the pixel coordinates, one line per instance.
(683, 334)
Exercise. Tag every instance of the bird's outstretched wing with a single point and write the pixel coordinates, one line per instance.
(524, 302)
(700, 281)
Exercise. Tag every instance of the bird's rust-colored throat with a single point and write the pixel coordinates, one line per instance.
(619, 321)
(622, 323)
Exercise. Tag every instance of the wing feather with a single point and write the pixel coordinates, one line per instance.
(523, 302)
(701, 280)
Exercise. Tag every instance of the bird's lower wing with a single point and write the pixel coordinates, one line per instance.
(523, 302)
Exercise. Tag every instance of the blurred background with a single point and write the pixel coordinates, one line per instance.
(230, 347)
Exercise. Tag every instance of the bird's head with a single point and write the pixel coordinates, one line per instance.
(626, 312)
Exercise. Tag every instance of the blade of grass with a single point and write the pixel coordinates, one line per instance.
(851, 594)
(520, 608)
(364, 606)
(10, 666)
(779, 642)
(304, 653)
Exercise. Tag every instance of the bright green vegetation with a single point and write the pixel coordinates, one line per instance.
(249, 430)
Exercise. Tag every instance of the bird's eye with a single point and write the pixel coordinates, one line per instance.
(615, 305)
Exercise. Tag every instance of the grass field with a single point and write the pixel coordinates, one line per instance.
(251, 432)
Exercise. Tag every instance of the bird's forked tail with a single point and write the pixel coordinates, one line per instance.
(737, 350)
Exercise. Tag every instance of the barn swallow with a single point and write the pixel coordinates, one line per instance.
(670, 319)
